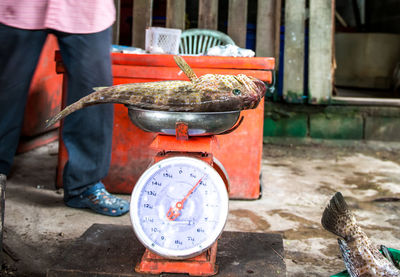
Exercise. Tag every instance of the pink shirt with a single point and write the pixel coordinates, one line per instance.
(70, 16)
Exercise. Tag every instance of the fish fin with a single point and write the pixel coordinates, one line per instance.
(99, 88)
(237, 79)
(185, 68)
(385, 251)
(336, 215)
(346, 254)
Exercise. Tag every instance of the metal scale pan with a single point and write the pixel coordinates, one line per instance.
(199, 123)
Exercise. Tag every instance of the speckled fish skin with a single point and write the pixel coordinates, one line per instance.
(361, 257)
(207, 93)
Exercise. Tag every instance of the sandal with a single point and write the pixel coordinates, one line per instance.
(99, 200)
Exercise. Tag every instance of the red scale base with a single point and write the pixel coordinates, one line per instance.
(202, 265)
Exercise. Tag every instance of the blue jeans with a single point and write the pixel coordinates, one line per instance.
(87, 133)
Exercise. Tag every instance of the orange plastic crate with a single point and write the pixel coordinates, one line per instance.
(240, 151)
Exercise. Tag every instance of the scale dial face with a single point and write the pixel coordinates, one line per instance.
(179, 207)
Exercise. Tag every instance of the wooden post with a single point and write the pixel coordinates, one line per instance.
(176, 14)
(265, 42)
(116, 25)
(293, 75)
(278, 12)
(237, 21)
(142, 16)
(320, 51)
(208, 14)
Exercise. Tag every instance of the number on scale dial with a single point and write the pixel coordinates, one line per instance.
(179, 207)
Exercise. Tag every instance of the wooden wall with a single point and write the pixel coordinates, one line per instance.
(318, 28)
(317, 53)
(268, 18)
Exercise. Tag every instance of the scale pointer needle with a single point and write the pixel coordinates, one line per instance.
(174, 212)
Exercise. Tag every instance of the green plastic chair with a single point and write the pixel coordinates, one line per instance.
(198, 41)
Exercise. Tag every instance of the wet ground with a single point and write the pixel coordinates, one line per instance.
(298, 181)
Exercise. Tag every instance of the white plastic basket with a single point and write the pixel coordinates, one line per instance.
(162, 40)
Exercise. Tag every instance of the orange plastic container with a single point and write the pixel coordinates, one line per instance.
(239, 152)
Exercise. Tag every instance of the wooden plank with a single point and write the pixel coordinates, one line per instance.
(176, 14)
(116, 25)
(293, 75)
(265, 42)
(142, 18)
(237, 21)
(208, 14)
(320, 51)
(123, 249)
(256, 63)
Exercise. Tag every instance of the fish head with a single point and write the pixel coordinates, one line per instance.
(232, 92)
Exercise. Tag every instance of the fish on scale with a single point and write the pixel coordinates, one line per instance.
(361, 257)
(207, 93)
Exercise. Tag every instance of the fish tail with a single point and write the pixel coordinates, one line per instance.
(388, 255)
(96, 97)
(68, 110)
(337, 218)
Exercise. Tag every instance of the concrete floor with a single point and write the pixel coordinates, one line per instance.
(298, 181)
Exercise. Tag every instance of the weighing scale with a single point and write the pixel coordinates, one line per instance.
(179, 205)
(179, 209)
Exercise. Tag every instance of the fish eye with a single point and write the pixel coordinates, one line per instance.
(236, 91)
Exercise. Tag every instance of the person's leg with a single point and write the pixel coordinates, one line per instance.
(19, 55)
(87, 133)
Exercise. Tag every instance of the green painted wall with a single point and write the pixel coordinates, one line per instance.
(336, 122)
